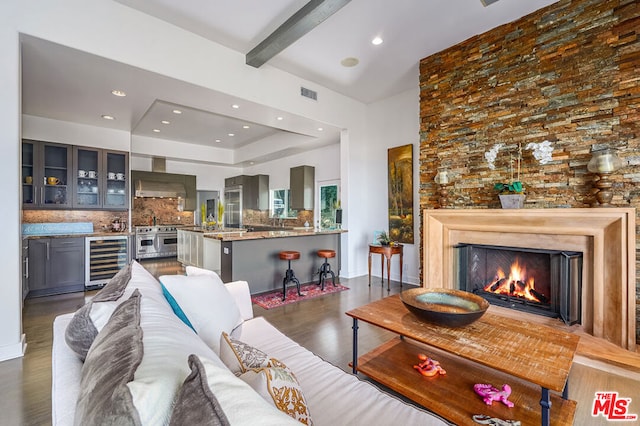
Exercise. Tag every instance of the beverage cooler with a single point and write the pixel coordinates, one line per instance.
(105, 257)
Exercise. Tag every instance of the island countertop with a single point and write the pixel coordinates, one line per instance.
(259, 235)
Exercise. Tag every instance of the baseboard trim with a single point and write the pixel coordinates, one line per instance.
(16, 350)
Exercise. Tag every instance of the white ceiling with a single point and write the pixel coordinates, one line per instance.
(65, 84)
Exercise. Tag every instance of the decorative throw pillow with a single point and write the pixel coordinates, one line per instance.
(207, 304)
(111, 364)
(278, 385)
(239, 357)
(81, 331)
(215, 390)
(196, 404)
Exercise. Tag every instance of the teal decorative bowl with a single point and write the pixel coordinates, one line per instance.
(451, 308)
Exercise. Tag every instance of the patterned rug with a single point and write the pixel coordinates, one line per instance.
(273, 299)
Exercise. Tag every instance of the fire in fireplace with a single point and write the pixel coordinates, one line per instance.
(543, 282)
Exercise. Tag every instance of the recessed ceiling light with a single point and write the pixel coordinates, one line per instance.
(376, 41)
(177, 111)
(118, 93)
(108, 117)
(232, 134)
(218, 140)
(165, 122)
(279, 118)
(320, 129)
(235, 106)
(251, 163)
(350, 62)
(156, 130)
(245, 126)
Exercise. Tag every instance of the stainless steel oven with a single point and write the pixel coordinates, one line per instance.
(156, 241)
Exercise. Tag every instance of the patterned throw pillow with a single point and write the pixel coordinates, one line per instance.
(271, 378)
(278, 385)
(239, 357)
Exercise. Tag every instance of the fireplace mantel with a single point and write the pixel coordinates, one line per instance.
(605, 236)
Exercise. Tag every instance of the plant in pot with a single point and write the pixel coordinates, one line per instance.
(384, 239)
(511, 194)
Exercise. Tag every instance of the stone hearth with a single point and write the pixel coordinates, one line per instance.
(605, 236)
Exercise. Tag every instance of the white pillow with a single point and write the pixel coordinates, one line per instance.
(207, 304)
(194, 270)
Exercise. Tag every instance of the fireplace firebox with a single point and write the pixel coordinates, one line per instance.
(543, 282)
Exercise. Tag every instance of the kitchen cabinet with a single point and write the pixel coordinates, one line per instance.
(301, 187)
(190, 248)
(255, 190)
(100, 179)
(55, 265)
(46, 175)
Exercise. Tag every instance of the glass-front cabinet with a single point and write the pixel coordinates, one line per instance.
(100, 178)
(46, 175)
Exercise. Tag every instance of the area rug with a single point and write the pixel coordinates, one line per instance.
(273, 299)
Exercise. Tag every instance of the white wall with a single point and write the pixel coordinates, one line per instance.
(44, 129)
(119, 33)
(393, 122)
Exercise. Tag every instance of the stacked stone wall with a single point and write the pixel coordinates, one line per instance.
(568, 74)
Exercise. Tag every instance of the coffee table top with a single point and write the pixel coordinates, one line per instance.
(536, 353)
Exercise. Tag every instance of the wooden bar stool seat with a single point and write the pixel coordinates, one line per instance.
(325, 269)
(289, 275)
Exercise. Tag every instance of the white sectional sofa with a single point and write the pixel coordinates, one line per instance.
(332, 396)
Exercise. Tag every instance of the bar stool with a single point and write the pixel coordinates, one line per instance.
(289, 275)
(325, 269)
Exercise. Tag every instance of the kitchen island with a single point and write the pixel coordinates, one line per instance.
(253, 256)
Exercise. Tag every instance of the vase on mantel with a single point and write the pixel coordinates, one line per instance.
(512, 201)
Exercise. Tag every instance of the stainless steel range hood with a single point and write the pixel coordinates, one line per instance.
(149, 188)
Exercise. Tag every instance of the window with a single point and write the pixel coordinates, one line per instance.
(329, 202)
(279, 204)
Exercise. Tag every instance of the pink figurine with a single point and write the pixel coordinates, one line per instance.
(490, 394)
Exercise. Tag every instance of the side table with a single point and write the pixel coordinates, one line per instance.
(385, 252)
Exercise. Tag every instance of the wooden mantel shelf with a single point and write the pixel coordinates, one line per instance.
(605, 236)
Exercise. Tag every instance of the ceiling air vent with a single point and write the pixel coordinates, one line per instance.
(308, 93)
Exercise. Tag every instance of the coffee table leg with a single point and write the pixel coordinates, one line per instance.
(354, 363)
(545, 402)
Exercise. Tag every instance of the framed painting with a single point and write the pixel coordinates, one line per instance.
(400, 177)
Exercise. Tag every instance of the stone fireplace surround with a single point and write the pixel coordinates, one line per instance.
(605, 236)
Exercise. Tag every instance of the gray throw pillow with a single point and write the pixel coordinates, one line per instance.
(81, 330)
(196, 404)
(110, 364)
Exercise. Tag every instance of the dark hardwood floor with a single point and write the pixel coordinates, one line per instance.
(318, 324)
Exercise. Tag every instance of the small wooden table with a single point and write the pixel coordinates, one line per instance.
(385, 252)
(533, 359)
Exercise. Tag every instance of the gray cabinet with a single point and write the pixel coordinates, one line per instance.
(46, 175)
(301, 187)
(100, 178)
(255, 190)
(55, 265)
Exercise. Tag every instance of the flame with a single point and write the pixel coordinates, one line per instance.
(515, 284)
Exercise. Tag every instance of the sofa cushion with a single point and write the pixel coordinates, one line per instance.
(103, 394)
(207, 304)
(239, 357)
(196, 404)
(82, 331)
(278, 385)
(240, 404)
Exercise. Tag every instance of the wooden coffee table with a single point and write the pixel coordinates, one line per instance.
(533, 359)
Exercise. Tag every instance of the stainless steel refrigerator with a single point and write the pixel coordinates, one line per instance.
(233, 207)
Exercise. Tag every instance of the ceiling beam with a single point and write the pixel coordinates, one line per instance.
(304, 20)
